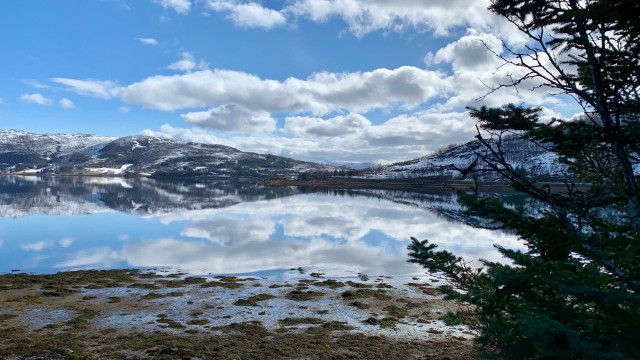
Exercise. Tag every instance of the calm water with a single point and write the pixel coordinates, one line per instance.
(54, 224)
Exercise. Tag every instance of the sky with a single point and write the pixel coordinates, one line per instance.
(320, 80)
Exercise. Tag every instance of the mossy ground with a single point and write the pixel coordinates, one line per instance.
(134, 315)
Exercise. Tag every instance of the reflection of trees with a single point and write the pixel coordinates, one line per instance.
(442, 203)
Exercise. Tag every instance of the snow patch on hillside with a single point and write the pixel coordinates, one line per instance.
(109, 171)
(530, 158)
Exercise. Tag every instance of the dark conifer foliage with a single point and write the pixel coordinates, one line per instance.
(575, 292)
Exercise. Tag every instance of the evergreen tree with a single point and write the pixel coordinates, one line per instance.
(575, 292)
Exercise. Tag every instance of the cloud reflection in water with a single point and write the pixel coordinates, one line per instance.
(328, 232)
(219, 228)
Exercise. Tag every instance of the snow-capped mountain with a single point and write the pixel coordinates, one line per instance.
(80, 154)
(530, 158)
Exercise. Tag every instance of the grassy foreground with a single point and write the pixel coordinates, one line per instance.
(127, 314)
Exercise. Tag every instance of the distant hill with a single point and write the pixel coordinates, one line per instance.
(81, 154)
(525, 156)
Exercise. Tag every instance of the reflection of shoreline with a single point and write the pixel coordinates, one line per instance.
(24, 196)
(233, 227)
(410, 184)
(339, 235)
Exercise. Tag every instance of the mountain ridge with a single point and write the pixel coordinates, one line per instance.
(137, 155)
(450, 162)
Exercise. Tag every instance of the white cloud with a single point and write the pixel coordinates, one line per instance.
(187, 63)
(349, 137)
(231, 117)
(179, 6)
(432, 129)
(477, 76)
(186, 135)
(248, 15)
(231, 230)
(89, 87)
(325, 114)
(66, 242)
(66, 104)
(232, 95)
(98, 257)
(337, 126)
(363, 16)
(124, 109)
(148, 41)
(326, 231)
(121, 4)
(36, 84)
(319, 94)
(473, 51)
(37, 246)
(36, 98)
(308, 220)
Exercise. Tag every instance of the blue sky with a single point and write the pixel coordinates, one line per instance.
(321, 80)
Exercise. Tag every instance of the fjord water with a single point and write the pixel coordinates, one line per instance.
(51, 224)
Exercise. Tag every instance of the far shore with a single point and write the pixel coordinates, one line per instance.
(334, 183)
(409, 184)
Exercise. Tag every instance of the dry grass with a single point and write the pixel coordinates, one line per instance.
(79, 315)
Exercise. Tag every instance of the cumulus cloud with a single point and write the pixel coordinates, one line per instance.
(363, 17)
(319, 94)
(231, 117)
(66, 104)
(473, 51)
(227, 92)
(350, 137)
(434, 129)
(302, 230)
(148, 41)
(89, 87)
(187, 63)
(231, 230)
(311, 223)
(325, 114)
(36, 98)
(179, 6)
(479, 77)
(339, 125)
(167, 131)
(248, 15)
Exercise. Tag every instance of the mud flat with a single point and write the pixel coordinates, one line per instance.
(129, 314)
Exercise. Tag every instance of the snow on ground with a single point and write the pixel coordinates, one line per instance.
(108, 171)
(329, 307)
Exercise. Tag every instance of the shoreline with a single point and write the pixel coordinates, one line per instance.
(133, 314)
(412, 184)
(424, 185)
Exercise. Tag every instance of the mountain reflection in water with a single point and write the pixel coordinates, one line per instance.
(64, 223)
